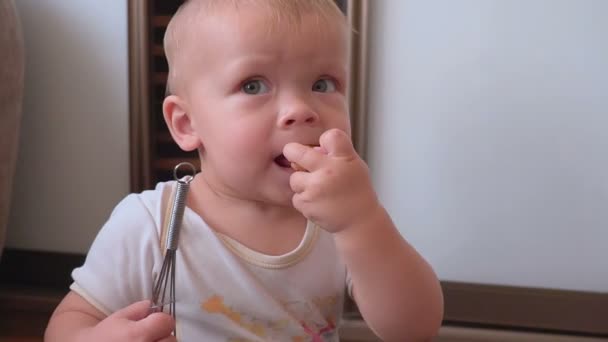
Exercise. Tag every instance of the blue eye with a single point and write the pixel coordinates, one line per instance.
(324, 86)
(254, 87)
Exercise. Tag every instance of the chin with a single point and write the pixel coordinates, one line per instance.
(282, 197)
(275, 188)
(284, 200)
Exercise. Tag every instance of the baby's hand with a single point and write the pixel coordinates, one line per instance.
(336, 192)
(134, 323)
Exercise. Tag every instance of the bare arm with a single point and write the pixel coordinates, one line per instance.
(396, 290)
(77, 320)
(73, 316)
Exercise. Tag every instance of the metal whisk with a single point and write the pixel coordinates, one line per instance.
(166, 277)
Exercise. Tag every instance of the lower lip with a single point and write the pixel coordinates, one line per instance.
(287, 169)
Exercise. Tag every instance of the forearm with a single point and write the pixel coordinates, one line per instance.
(396, 290)
(73, 318)
(69, 326)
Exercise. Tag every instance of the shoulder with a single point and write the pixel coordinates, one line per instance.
(120, 262)
(143, 206)
(136, 217)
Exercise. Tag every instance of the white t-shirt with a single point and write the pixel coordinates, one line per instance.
(224, 290)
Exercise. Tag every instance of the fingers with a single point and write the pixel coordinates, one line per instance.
(168, 339)
(297, 182)
(152, 327)
(320, 149)
(156, 326)
(135, 311)
(337, 143)
(333, 142)
(305, 157)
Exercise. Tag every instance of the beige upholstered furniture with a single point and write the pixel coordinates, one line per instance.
(11, 94)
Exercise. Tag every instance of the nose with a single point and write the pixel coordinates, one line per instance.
(300, 114)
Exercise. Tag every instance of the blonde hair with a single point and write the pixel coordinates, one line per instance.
(280, 13)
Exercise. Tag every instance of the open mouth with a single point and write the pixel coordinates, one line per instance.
(282, 161)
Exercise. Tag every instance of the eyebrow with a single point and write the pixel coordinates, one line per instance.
(250, 62)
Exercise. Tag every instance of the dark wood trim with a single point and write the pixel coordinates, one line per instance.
(32, 283)
(357, 93)
(47, 270)
(139, 96)
(29, 299)
(25, 311)
(466, 304)
(539, 310)
(527, 308)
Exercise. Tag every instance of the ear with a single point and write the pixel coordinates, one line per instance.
(180, 124)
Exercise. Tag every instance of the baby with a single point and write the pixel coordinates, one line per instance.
(266, 252)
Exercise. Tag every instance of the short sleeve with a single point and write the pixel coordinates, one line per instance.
(119, 268)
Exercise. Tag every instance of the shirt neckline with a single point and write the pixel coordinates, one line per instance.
(274, 261)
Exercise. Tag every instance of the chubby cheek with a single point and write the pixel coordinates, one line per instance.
(341, 121)
(335, 113)
(345, 126)
(244, 148)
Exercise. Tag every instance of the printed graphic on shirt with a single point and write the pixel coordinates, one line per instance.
(313, 320)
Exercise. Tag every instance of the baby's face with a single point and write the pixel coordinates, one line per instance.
(253, 89)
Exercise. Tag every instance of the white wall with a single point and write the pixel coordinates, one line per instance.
(73, 164)
(489, 136)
